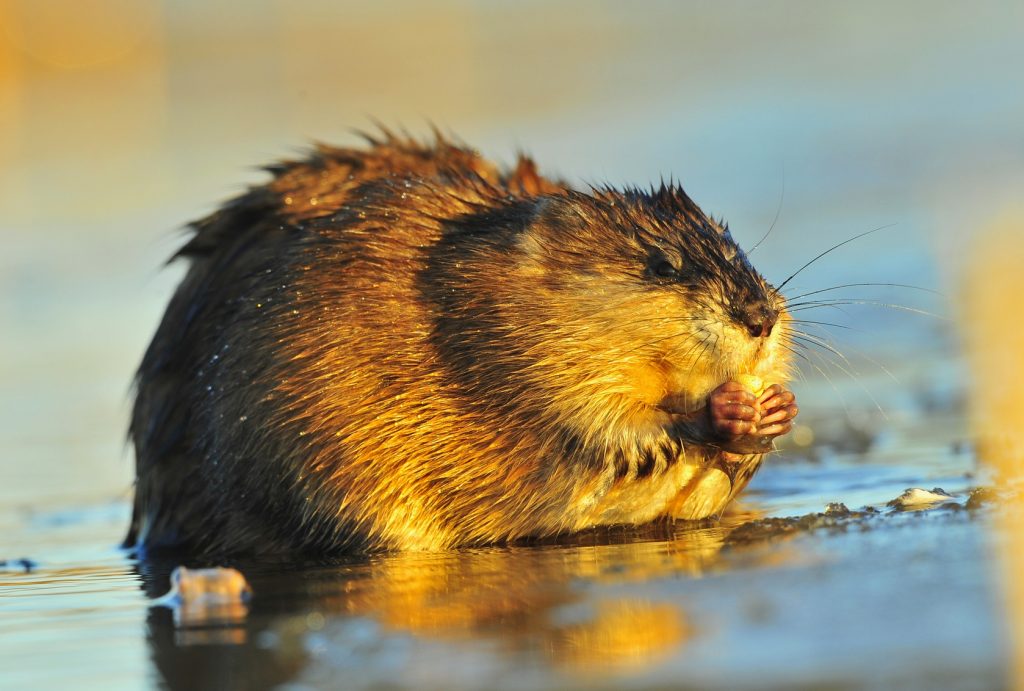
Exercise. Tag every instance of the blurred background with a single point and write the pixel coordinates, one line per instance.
(123, 120)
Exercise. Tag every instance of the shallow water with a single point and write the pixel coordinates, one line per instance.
(685, 606)
(847, 118)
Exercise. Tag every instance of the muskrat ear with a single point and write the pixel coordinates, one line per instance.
(525, 177)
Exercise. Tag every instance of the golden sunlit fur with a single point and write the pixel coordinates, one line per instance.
(405, 348)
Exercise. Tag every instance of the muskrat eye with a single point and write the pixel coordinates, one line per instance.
(665, 269)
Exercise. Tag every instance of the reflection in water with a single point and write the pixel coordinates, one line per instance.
(209, 605)
(530, 604)
(621, 633)
(190, 660)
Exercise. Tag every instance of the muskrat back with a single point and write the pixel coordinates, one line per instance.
(406, 347)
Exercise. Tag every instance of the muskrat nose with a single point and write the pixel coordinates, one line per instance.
(759, 320)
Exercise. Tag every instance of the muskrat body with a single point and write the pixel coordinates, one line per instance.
(405, 347)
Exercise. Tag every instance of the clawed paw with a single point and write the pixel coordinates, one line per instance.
(778, 408)
(734, 411)
(747, 422)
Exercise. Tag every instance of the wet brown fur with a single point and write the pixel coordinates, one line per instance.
(405, 347)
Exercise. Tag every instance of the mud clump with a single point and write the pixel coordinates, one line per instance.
(836, 519)
(980, 497)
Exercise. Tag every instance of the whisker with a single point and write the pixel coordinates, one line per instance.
(856, 285)
(876, 363)
(797, 353)
(837, 308)
(680, 334)
(831, 383)
(858, 352)
(830, 249)
(697, 343)
(817, 323)
(697, 359)
(870, 359)
(822, 343)
(778, 211)
(832, 303)
(851, 373)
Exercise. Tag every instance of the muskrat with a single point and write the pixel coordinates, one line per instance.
(404, 346)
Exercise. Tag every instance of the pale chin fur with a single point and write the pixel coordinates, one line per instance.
(734, 352)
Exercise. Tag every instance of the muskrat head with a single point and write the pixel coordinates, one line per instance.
(635, 302)
(599, 310)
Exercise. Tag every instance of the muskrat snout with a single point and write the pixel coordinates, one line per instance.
(759, 319)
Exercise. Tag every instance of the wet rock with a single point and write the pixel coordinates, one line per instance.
(980, 497)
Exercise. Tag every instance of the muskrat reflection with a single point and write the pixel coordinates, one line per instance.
(526, 598)
(548, 603)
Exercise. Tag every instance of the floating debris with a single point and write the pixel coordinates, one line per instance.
(211, 601)
(915, 497)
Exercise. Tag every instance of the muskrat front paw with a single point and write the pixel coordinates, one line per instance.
(733, 411)
(745, 423)
(778, 408)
